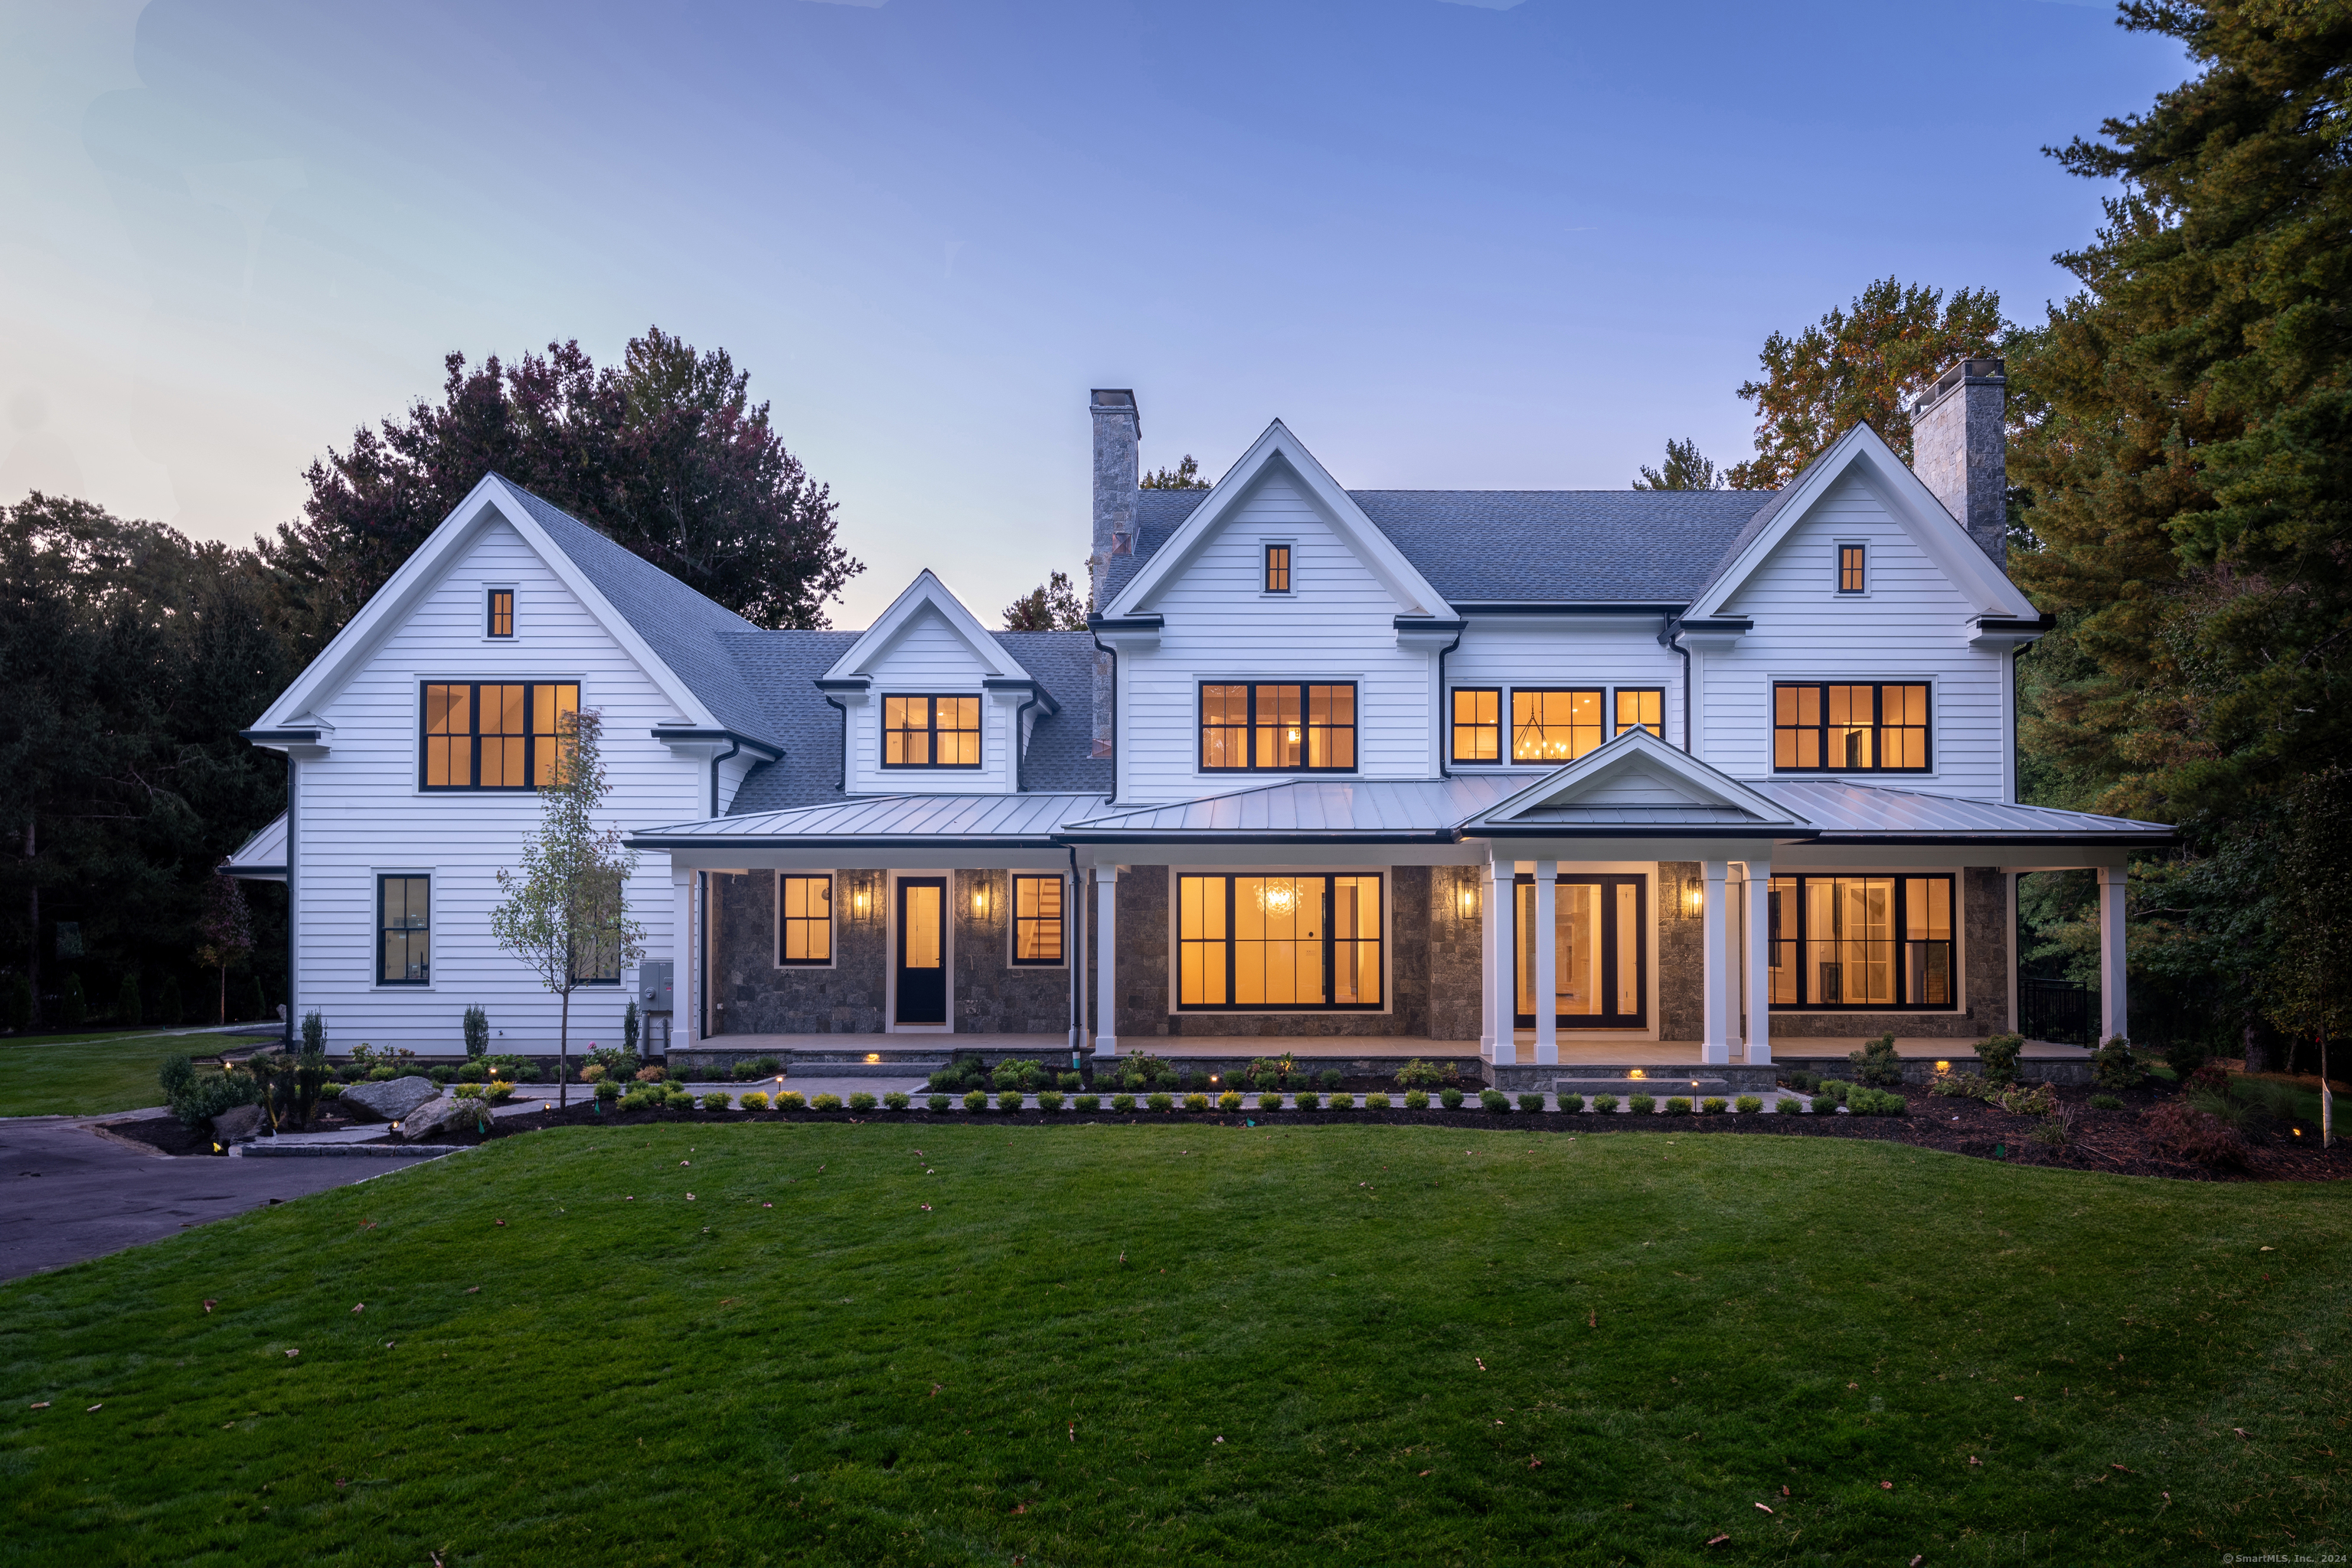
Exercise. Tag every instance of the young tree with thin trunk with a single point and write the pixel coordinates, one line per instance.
(225, 931)
(566, 911)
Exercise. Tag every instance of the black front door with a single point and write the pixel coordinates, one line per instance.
(923, 950)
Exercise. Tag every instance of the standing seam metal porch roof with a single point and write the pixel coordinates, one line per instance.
(920, 818)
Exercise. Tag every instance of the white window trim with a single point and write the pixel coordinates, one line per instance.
(482, 613)
(1837, 561)
(1289, 544)
(833, 943)
(890, 1025)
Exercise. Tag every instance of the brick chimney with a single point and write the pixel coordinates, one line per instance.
(1959, 450)
(1118, 473)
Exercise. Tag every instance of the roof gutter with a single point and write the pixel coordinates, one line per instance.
(1038, 697)
(1669, 632)
(825, 689)
(736, 743)
(1569, 607)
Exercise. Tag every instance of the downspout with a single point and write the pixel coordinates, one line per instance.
(1444, 718)
(293, 869)
(1020, 750)
(1668, 631)
(1112, 798)
(843, 787)
(1078, 965)
(734, 744)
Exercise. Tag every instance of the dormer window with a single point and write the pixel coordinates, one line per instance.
(1278, 569)
(500, 618)
(931, 732)
(1852, 576)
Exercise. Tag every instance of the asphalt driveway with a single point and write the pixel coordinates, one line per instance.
(67, 1193)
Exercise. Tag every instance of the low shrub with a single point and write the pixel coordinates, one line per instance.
(1376, 1100)
(1089, 1103)
(1009, 1099)
(1863, 1100)
(2186, 1132)
(1877, 1064)
(897, 1100)
(1802, 1083)
(2040, 1099)
(1419, 1074)
(1450, 1098)
(717, 1100)
(1834, 1089)
(794, 1099)
(1571, 1103)
(640, 1099)
(1604, 1103)
(962, 1072)
(593, 1073)
(1049, 1100)
(475, 1072)
(1328, 1078)
(1067, 1081)
(2163, 1072)
(1229, 1100)
(2105, 1102)
(1641, 1104)
(382, 1075)
(1270, 1100)
(645, 1075)
(975, 1100)
(1018, 1073)
(2182, 1058)
(753, 1100)
(469, 1091)
(863, 1101)
(1786, 1105)
(1999, 1055)
(441, 1075)
(330, 1091)
(1196, 1103)
(1161, 1100)
(2114, 1068)
(825, 1102)
(1678, 1105)
(608, 1090)
(1416, 1100)
(1711, 1106)
(2056, 1130)
(499, 1093)
(1343, 1102)
(1308, 1099)
(1747, 1104)
(937, 1104)
(1496, 1101)
(1531, 1103)
(1964, 1085)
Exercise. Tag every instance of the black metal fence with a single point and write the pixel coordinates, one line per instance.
(2056, 1010)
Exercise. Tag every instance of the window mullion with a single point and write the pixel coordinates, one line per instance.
(1331, 948)
(1232, 974)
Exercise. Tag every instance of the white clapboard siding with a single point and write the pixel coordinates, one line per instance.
(1336, 624)
(929, 658)
(1910, 625)
(1578, 651)
(361, 813)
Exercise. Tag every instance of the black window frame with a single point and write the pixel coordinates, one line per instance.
(382, 930)
(1277, 563)
(1821, 728)
(830, 922)
(1249, 727)
(1455, 726)
(1611, 935)
(1617, 725)
(979, 731)
(1232, 945)
(1059, 920)
(493, 610)
(1859, 566)
(530, 736)
(1898, 921)
(1606, 709)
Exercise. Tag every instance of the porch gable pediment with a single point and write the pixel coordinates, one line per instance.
(1635, 781)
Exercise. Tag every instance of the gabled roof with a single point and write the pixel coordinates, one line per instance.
(1633, 783)
(1278, 450)
(1863, 814)
(262, 857)
(926, 592)
(1860, 452)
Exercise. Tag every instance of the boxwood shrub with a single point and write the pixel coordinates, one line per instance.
(1495, 1101)
(754, 1100)
(1229, 1100)
(1343, 1102)
(1531, 1103)
(790, 1100)
(1416, 1100)
(1678, 1105)
(1122, 1104)
(1161, 1100)
(1641, 1104)
(1196, 1103)
(1376, 1100)
(863, 1101)
(1269, 1102)
(825, 1102)
(1604, 1103)
(1747, 1104)
(1010, 1099)
(1572, 1102)
(1308, 1099)
(1049, 1100)
(1089, 1103)
(975, 1100)
(1712, 1105)
(1450, 1098)
(716, 1099)
(897, 1100)
(937, 1103)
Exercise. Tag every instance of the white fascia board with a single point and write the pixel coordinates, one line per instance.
(1913, 506)
(422, 573)
(1639, 748)
(926, 589)
(1413, 592)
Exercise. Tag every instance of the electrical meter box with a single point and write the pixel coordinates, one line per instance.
(654, 990)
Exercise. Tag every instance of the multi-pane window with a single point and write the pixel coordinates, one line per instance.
(1477, 725)
(1278, 569)
(1037, 920)
(493, 735)
(1850, 728)
(1278, 942)
(803, 921)
(1277, 728)
(1554, 726)
(1640, 708)
(1851, 576)
(501, 613)
(1862, 942)
(931, 732)
(403, 921)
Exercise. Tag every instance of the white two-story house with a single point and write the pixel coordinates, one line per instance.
(1583, 776)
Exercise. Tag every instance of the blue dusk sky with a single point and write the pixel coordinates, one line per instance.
(1452, 245)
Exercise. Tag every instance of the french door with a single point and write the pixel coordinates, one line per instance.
(1599, 962)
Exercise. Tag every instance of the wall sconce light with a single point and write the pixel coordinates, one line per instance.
(980, 898)
(1465, 901)
(861, 900)
(1694, 897)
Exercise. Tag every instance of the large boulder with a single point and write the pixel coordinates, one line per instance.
(433, 1115)
(391, 1099)
(237, 1123)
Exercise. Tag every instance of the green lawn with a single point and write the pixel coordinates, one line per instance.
(89, 1075)
(1110, 1345)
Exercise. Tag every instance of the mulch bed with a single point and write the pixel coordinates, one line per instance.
(2110, 1141)
(162, 1133)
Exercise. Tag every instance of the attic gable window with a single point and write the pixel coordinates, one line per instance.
(1872, 728)
(1277, 728)
(1852, 576)
(486, 735)
(501, 613)
(1278, 569)
(931, 732)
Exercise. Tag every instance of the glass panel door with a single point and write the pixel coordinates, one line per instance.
(922, 951)
(1598, 953)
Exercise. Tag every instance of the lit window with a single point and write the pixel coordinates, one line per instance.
(1850, 577)
(493, 735)
(1037, 920)
(1848, 729)
(1640, 708)
(803, 921)
(1278, 729)
(1292, 942)
(1861, 942)
(403, 919)
(931, 732)
(1598, 954)
(1278, 569)
(1477, 725)
(1554, 726)
(502, 612)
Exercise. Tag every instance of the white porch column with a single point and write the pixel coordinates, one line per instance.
(1546, 955)
(685, 981)
(1501, 1041)
(1075, 915)
(1715, 1041)
(1759, 962)
(1106, 961)
(2115, 1016)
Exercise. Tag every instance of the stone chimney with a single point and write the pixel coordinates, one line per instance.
(1118, 473)
(1959, 450)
